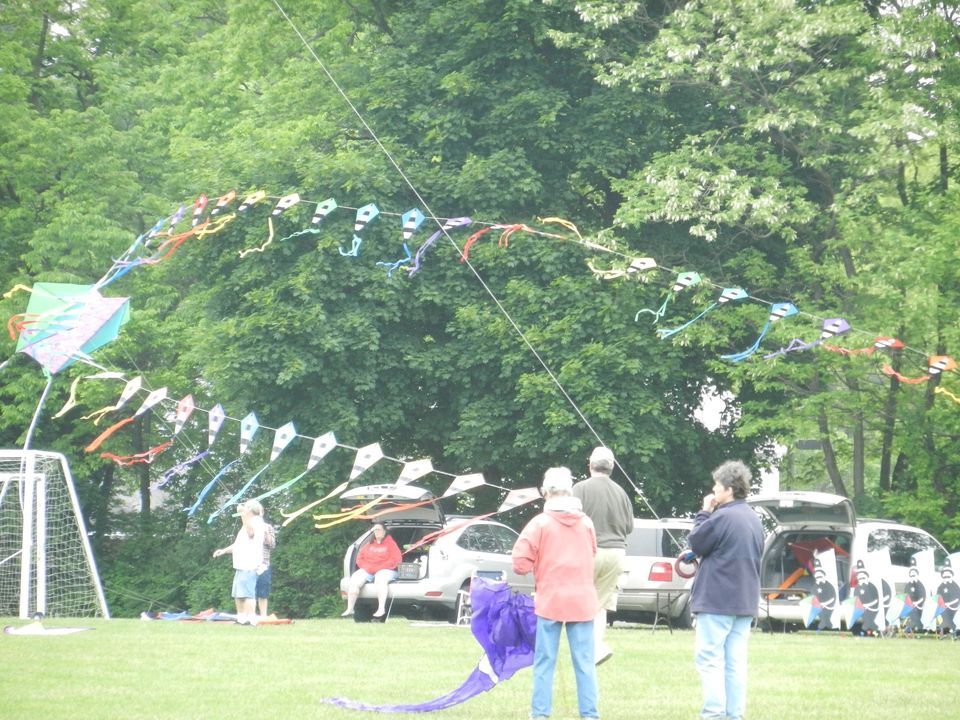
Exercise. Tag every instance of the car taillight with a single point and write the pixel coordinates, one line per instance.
(661, 572)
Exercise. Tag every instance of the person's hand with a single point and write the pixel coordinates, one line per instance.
(709, 502)
(218, 552)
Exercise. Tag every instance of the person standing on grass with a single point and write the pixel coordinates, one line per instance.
(609, 507)
(728, 538)
(265, 571)
(247, 551)
(559, 546)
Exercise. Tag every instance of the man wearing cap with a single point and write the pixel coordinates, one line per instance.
(558, 546)
(609, 507)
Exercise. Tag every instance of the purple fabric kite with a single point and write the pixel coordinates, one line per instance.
(506, 628)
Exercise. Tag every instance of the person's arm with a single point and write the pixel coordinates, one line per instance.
(704, 537)
(363, 557)
(627, 518)
(394, 556)
(228, 550)
(526, 550)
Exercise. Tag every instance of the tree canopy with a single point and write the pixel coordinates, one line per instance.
(801, 151)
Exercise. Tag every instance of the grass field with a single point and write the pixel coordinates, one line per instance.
(130, 669)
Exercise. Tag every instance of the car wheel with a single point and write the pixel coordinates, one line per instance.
(685, 619)
(459, 606)
(362, 613)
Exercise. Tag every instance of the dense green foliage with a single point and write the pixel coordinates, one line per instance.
(802, 151)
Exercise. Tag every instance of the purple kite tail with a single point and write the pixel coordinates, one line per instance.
(504, 624)
(476, 683)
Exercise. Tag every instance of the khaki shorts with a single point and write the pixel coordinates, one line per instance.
(606, 571)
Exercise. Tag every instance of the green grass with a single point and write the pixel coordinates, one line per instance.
(133, 669)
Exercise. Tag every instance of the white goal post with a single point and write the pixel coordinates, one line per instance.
(46, 562)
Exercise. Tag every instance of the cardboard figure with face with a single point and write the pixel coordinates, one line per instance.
(949, 598)
(915, 595)
(825, 590)
(868, 607)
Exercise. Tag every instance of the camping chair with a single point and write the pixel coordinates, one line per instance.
(464, 607)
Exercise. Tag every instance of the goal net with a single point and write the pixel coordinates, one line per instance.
(46, 563)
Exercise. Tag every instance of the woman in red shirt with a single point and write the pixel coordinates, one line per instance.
(377, 563)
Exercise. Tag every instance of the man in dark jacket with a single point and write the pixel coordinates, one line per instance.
(728, 538)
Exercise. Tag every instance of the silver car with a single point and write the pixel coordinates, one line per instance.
(433, 577)
(649, 587)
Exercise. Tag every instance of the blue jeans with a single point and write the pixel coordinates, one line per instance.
(580, 640)
(721, 659)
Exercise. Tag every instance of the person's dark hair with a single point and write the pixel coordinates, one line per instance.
(735, 475)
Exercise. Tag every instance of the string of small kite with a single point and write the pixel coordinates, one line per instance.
(250, 426)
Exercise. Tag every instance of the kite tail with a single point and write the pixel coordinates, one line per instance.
(744, 354)
(290, 517)
(107, 433)
(144, 457)
(421, 251)
(887, 370)
(475, 684)
(658, 313)
(949, 394)
(281, 488)
(72, 399)
(181, 468)
(465, 253)
(664, 334)
(209, 486)
(795, 346)
(236, 496)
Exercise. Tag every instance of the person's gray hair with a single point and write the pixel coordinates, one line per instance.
(601, 460)
(558, 481)
(734, 474)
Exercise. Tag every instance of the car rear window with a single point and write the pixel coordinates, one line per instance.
(488, 539)
(656, 541)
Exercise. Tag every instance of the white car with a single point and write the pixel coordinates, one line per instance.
(649, 587)
(434, 577)
(803, 520)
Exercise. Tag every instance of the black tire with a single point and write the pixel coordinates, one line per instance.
(362, 613)
(685, 619)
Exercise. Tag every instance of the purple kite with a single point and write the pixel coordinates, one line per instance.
(505, 626)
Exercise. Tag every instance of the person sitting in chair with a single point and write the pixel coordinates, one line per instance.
(377, 563)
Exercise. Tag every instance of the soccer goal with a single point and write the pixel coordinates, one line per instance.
(46, 563)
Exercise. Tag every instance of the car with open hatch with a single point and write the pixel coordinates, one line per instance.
(441, 554)
(800, 524)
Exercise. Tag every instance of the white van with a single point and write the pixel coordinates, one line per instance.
(796, 521)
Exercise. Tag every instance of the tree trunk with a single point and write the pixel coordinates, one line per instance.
(858, 452)
(886, 435)
(37, 62)
(829, 456)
